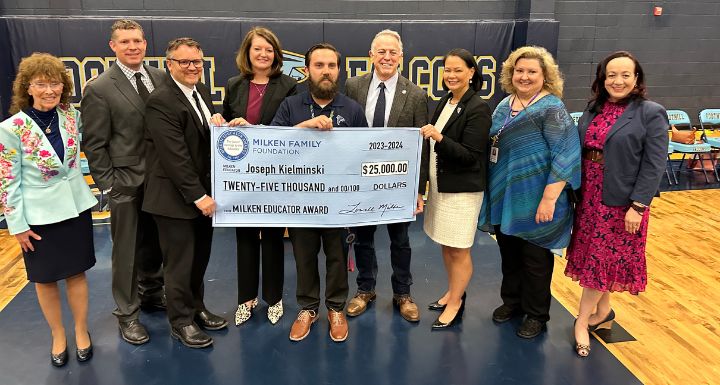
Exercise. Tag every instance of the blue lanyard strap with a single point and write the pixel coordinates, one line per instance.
(312, 112)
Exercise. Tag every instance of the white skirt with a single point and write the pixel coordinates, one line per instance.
(450, 218)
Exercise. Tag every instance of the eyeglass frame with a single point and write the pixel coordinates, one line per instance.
(187, 62)
(55, 86)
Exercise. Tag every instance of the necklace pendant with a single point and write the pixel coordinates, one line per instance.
(48, 130)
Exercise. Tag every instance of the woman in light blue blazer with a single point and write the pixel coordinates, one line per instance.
(44, 197)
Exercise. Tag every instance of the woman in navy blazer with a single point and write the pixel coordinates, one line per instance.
(625, 141)
(253, 97)
(45, 198)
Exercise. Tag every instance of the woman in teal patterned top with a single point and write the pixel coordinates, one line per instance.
(534, 161)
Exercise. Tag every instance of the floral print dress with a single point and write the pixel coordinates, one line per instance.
(602, 255)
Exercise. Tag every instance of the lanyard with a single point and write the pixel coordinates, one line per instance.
(510, 117)
(312, 112)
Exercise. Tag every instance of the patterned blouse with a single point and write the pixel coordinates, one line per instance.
(537, 147)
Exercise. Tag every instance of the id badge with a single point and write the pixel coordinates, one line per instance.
(494, 152)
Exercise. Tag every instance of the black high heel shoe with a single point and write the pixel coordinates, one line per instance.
(85, 354)
(437, 306)
(437, 325)
(59, 360)
(604, 324)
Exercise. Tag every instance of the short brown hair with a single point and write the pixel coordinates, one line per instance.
(321, 46)
(41, 65)
(242, 60)
(553, 78)
(125, 24)
(176, 43)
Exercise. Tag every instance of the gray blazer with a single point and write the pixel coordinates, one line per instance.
(113, 117)
(635, 152)
(410, 103)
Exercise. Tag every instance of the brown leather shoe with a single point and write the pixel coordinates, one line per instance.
(359, 303)
(338, 325)
(408, 308)
(301, 327)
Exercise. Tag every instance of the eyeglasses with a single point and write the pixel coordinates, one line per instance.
(382, 53)
(43, 86)
(186, 63)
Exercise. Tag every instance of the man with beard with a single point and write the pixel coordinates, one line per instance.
(323, 108)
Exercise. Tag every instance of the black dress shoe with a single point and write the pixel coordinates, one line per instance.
(210, 321)
(191, 336)
(604, 324)
(85, 354)
(438, 325)
(133, 332)
(154, 304)
(59, 360)
(437, 306)
(530, 328)
(505, 313)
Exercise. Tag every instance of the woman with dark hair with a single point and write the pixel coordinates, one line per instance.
(253, 97)
(534, 159)
(45, 198)
(625, 141)
(454, 160)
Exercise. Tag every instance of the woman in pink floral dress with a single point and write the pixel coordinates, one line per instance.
(44, 197)
(625, 143)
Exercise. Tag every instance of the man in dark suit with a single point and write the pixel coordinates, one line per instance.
(177, 188)
(113, 108)
(390, 100)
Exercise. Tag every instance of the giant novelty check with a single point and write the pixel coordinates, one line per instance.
(297, 177)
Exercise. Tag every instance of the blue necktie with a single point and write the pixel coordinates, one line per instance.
(379, 117)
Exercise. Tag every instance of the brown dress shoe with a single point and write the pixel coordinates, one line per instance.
(338, 325)
(301, 327)
(359, 303)
(408, 308)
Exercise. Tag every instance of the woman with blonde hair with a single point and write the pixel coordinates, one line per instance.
(253, 97)
(45, 198)
(534, 160)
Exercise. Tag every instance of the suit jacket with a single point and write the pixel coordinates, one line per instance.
(635, 152)
(410, 103)
(236, 97)
(461, 155)
(177, 152)
(113, 116)
(37, 187)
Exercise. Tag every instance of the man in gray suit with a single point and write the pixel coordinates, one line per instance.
(390, 100)
(113, 109)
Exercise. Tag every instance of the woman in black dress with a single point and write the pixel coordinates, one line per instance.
(253, 97)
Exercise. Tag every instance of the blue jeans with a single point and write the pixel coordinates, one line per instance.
(366, 260)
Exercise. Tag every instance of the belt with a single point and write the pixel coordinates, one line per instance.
(593, 155)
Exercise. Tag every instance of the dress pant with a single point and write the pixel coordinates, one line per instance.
(136, 256)
(306, 247)
(366, 259)
(249, 241)
(185, 245)
(527, 273)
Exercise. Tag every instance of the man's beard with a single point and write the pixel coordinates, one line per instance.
(321, 90)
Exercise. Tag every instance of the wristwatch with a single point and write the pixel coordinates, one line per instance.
(638, 208)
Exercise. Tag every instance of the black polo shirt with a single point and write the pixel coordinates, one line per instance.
(343, 111)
